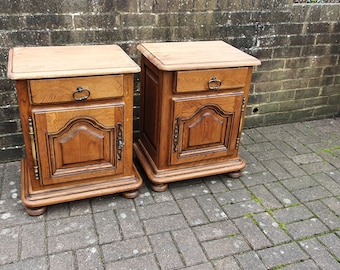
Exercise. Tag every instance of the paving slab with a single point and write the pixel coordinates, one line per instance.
(282, 213)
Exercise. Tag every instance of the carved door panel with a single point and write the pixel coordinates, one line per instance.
(205, 127)
(79, 143)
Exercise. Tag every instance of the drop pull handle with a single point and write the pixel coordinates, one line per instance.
(81, 94)
(214, 83)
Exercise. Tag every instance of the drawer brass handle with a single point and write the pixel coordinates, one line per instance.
(81, 94)
(214, 83)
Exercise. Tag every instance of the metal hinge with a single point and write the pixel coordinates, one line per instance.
(34, 149)
(120, 141)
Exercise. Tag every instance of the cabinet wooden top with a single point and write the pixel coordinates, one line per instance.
(68, 61)
(171, 56)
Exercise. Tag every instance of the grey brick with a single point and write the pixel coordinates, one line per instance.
(332, 243)
(211, 208)
(325, 214)
(110, 202)
(189, 247)
(275, 168)
(166, 251)
(312, 193)
(215, 230)
(145, 197)
(126, 249)
(37, 263)
(267, 199)
(58, 211)
(306, 228)
(281, 193)
(130, 223)
(333, 204)
(227, 263)
(89, 258)
(281, 255)
(164, 224)
(81, 207)
(192, 212)
(9, 247)
(305, 265)
(225, 246)
(250, 260)
(146, 262)
(319, 254)
(258, 178)
(215, 184)
(301, 182)
(62, 261)
(327, 182)
(234, 196)
(186, 189)
(252, 233)
(33, 240)
(158, 209)
(291, 167)
(292, 214)
(107, 227)
(242, 208)
(204, 266)
(271, 228)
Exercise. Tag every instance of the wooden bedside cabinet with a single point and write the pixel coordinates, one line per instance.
(76, 107)
(193, 100)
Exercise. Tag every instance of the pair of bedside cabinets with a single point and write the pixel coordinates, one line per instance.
(76, 108)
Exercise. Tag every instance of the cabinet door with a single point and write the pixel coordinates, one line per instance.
(79, 143)
(205, 127)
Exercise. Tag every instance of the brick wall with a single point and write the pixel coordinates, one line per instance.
(298, 45)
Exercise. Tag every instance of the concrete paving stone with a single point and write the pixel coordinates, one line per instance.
(147, 262)
(335, 175)
(37, 263)
(110, 202)
(265, 197)
(328, 183)
(190, 188)
(70, 233)
(292, 214)
(276, 169)
(258, 179)
(282, 255)
(9, 247)
(16, 218)
(226, 263)
(204, 266)
(305, 265)
(211, 208)
(319, 254)
(215, 184)
(258, 147)
(306, 228)
(58, 211)
(164, 224)
(312, 193)
(271, 228)
(305, 181)
(284, 147)
(324, 213)
(233, 196)
(254, 135)
(291, 167)
(130, 223)
(317, 167)
(333, 204)
(119, 250)
(62, 261)
(332, 243)
(268, 155)
(81, 207)
(256, 238)
(158, 209)
(306, 158)
(144, 197)
(232, 183)
(296, 145)
(222, 247)
(332, 159)
(252, 168)
(215, 230)
(242, 208)
(166, 251)
(164, 196)
(107, 227)
(189, 247)
(33, 240)
(89, 258)
(281, 193)
(192, 212)
(250, 260)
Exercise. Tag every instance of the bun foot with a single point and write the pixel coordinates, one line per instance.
(35, 211)
(131, 194)
(236, 174)
(159, 187)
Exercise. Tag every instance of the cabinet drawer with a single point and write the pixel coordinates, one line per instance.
(210, 79)
(75, 89)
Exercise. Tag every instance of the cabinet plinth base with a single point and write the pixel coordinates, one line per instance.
(160, 178)
(36, 201)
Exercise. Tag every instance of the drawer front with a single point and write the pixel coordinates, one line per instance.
(211, 79)
(76, 89)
